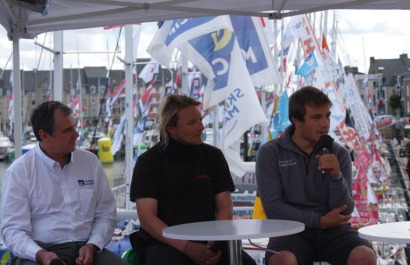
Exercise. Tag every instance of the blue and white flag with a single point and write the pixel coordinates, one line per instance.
(211, 54)
(242, 111)
(117, 93)
(173, 33)
(308, 66)
(195, 85)
(254, 46)
(287, 41)
(145, 101)
(118, 135)
(281, 117)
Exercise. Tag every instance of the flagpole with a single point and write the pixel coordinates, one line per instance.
(334, 37)
(264, 127)
(17, 97)
(216, 126)
(79, 89)
(58, 66)
(184, 76)
(128, 111)
(278, 88)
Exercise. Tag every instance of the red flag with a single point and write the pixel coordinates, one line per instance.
(117, 93)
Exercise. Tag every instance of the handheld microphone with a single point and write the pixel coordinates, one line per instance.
(325, 142)
(56, 262)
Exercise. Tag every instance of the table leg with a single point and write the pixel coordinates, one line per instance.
(235, 252)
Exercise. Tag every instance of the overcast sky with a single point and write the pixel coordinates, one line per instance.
(361, 35)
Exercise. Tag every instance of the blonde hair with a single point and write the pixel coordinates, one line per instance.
(169, 110)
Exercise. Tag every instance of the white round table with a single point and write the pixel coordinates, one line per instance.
(395, 232)
(233, 231)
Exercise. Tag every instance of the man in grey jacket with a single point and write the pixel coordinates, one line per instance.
(298, 181)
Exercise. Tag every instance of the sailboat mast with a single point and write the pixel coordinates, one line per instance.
(334, 36)
(128, 111)
(79, 90)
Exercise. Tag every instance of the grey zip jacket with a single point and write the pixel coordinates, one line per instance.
(292, 188)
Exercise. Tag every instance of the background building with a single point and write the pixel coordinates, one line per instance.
(387, 79)
(89, 82)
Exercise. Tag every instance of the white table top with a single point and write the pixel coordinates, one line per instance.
(396, 232)
(233, 229)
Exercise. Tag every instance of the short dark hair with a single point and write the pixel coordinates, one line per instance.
(42, 117)
(307, 95)
(169, 110)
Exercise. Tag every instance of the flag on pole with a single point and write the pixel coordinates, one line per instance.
(145, 101)
(238, 116)
(194, 84)
(281, 117)
(170, 88)
(252, 40)
(148, 72)
(118, 135)
(107, 105)
(75, 106)
(308, 66)
(117, 93)
(287, 41)
(173, 33)
(144, 109)
(331, 65)
(211, 54)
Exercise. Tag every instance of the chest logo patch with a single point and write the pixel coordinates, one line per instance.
(286, 163)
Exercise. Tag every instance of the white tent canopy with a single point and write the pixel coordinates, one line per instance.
(22, 19)
(17, 18)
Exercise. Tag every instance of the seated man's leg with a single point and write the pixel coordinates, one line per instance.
(106, 257)
(342, 245)
(157, 253)
(19, 261)
(362, 255)
(284, 257)
(293, 249)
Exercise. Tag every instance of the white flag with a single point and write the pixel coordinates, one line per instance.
(150, 69)
(173, 33)
(242, 111)
(211, 54)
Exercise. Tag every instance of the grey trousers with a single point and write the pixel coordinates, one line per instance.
(68, 252)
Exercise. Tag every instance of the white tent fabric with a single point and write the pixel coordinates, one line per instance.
(22, 19)
(76, 14)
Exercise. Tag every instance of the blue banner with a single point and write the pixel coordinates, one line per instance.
(250, 43)
(216, 48)
(308, 66)
(180, 26)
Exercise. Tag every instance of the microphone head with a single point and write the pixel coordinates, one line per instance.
(56, 262)
(325, 141)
